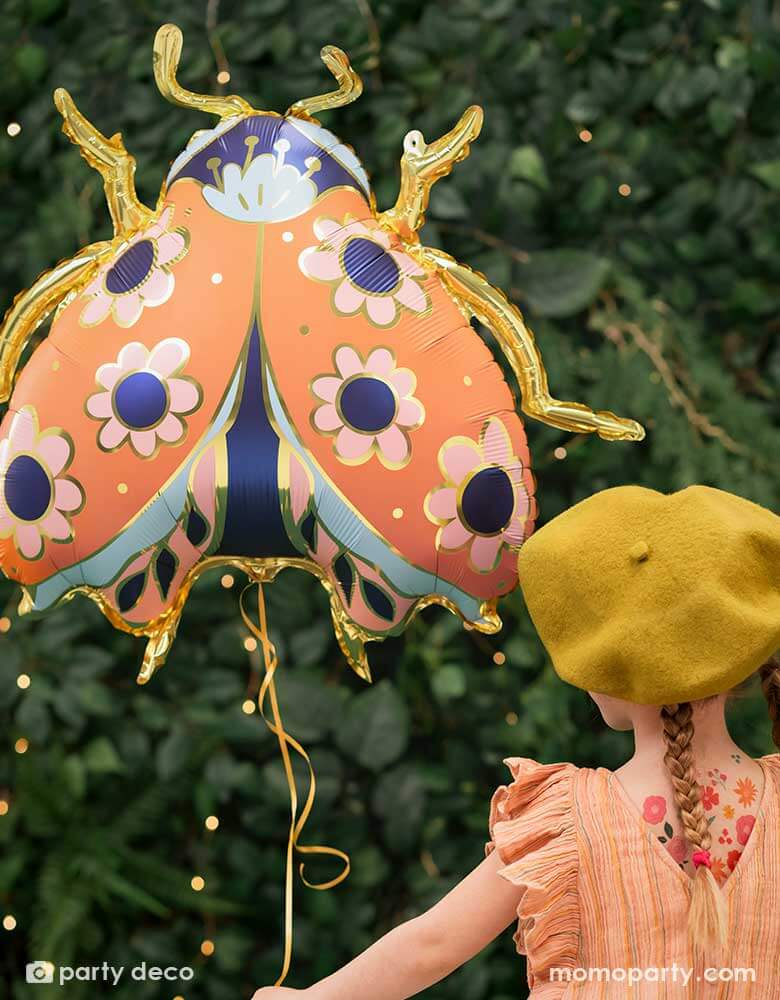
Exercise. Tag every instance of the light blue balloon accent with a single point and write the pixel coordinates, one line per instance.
(158, 520)
(353, 534)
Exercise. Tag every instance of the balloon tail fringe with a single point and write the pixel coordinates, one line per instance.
(268, 688)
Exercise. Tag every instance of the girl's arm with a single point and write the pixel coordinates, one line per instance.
(420, 952)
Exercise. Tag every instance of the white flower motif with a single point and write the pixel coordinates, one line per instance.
(138, 275)
(144, 397)
(37, 499)
(484, 503)
(369, 407)
(264, 189)
(367, 273)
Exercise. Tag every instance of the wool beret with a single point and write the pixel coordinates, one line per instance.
(656, 598)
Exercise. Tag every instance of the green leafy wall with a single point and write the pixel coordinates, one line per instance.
(659, 303)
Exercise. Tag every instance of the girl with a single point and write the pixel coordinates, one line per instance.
(662, 878)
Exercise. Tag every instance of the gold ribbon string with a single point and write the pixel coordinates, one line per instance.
(270, 663)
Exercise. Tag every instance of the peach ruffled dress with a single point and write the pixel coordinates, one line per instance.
(599, 892)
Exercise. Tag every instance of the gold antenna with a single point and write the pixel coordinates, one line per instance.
(167, 52)
(350, 86)
(110, 158)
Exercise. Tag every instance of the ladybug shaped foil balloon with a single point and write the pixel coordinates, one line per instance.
(264, 372)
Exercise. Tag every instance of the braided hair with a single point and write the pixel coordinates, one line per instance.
(707, 918)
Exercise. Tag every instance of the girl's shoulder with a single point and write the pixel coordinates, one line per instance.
(532, 831)
(538, 796)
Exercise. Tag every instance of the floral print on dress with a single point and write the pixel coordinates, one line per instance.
(37, 499)
(369, 407)
(144, 397)
(367, 273)
(138, 275)
(483, 503)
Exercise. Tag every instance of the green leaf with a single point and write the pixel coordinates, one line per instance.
(768, 172)
(31, 61)
(526, 164)
(375, 730)
(583, 107)
(173, 754)
(101, 757)
(448, 682)
(562, 282)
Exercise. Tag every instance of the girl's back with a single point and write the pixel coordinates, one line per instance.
(604, 902)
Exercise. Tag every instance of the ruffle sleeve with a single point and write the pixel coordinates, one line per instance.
(531, 825)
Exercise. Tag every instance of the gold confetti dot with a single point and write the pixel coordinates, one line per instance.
(121, 488)
(198, 883)
(511, 718)
(5, 624)
(227, 581)
(499, 658)
(287, 236)
(467, 380)
(211, 822)
(23, 681)
(207, 948)
(624, 190)
(248, 707)
(216, 278)
(560, 452)
(223, 76)
(4, 807)
(9, 922)
(13, 129)
(303, 330)
(55, 366)
(22, 745)
(398, 513)
(250, 644)
(586, 135)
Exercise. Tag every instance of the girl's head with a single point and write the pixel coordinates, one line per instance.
(663, 604)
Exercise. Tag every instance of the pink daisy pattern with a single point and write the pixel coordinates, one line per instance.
(367, 273)
(37, 499)
(144, 397)
(484, 502)
(369, 406)
(139, 275)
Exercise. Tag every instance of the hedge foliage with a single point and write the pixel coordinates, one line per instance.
(659, 303)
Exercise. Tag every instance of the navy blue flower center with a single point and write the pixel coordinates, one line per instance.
(488, 501)
(131, 269)
(369, 266)
(140, 400)
(27, 488)
(367, 404)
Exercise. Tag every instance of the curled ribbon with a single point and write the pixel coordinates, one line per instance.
(270, 663)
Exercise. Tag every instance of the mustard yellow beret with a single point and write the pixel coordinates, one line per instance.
(656, 598)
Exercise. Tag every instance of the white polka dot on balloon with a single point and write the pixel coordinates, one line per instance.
(216, 278)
